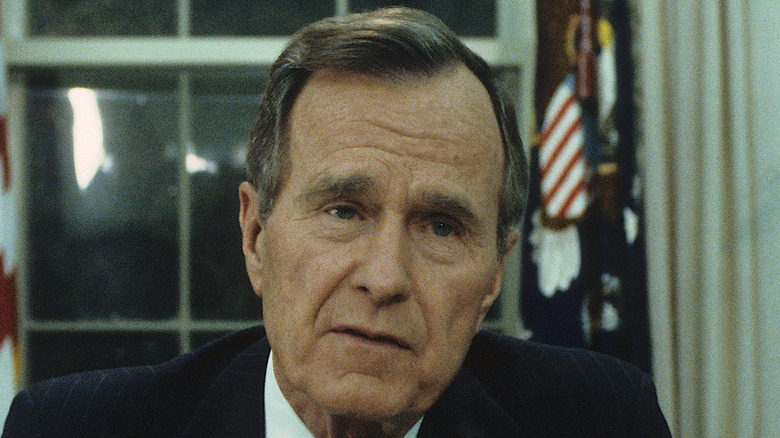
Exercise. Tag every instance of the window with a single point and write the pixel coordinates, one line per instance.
(134, 148)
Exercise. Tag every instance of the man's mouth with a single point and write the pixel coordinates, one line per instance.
(378, 337)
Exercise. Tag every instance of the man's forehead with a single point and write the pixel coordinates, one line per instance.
(452, 107)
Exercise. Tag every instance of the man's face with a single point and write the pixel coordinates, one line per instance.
(379, 259)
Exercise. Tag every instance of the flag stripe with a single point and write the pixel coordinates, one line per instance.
(562, 146)
(556, 135)
(559, 115)
(562, 166)
(578, 193)
(554, 207)
(576, 159)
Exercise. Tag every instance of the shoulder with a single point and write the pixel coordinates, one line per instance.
(563, 366)
(113, 402)
(573, 390)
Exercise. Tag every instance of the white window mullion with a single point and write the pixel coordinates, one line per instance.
(14, 14)
(185, 212)
(342, 7)
(183, 20)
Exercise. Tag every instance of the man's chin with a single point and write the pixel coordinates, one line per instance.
(370, 403)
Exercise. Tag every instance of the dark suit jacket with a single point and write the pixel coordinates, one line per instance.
(506, 388)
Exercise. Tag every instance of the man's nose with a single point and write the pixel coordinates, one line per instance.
(386, 273)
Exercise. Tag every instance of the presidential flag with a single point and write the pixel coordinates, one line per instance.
(584, 267)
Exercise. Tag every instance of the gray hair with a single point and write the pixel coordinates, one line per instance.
(386, 43)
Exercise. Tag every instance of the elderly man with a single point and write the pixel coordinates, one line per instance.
(386, 178)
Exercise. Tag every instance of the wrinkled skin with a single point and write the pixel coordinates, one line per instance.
(379, 259)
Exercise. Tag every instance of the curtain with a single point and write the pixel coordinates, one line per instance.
(711, 211)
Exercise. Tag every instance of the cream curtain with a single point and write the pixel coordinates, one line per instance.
(709, 139)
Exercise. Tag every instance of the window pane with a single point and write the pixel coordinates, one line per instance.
(223, 110)
(251, 17)
(102, 17)
(102, 203)
(472, 18)
(58, 354)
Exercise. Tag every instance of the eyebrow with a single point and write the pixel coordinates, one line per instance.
(332, 187)
(451, 206)
(426, 203)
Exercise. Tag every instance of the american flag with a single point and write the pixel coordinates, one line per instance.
(562, 165)
(9, 334)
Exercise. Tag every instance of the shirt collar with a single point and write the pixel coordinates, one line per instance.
(280, 418)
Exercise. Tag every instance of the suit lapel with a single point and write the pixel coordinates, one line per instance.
(234, 405)
(465, 409)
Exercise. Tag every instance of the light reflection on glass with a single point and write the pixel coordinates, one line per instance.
(88, 151)
(195, 164)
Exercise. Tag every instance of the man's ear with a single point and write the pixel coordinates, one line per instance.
(495, 287)
(251, 230)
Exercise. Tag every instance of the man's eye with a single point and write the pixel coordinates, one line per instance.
(343, 212)
(442, 229)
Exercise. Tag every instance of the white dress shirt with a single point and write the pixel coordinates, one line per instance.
(281, 421)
